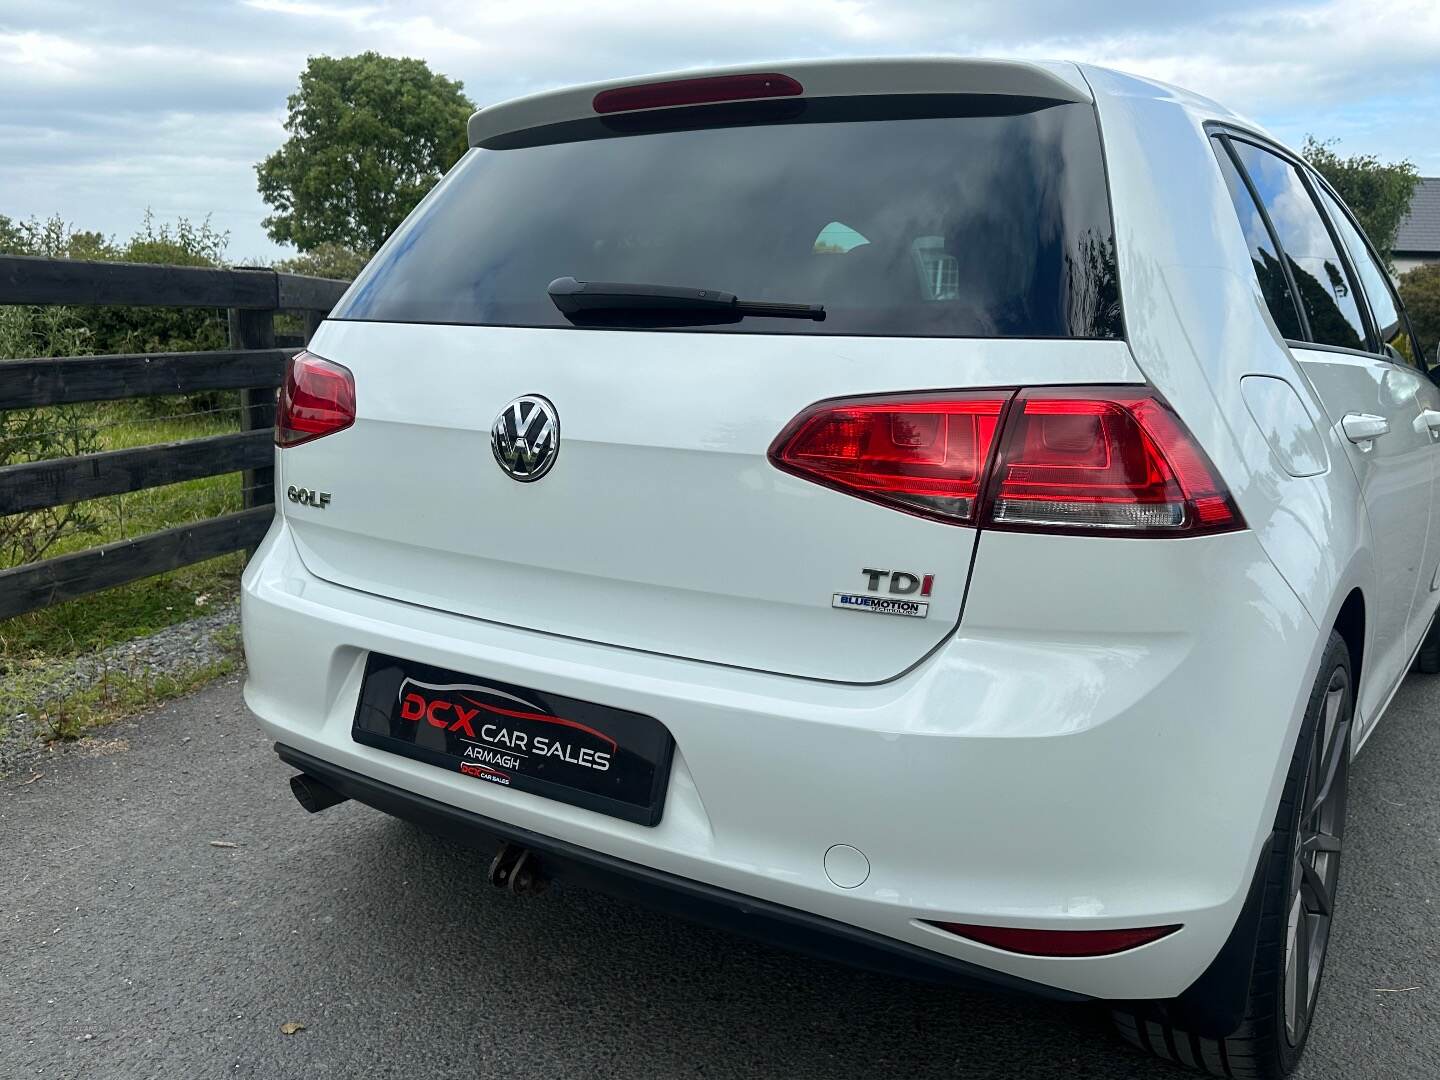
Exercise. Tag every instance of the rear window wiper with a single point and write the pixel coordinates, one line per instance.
(582, 298)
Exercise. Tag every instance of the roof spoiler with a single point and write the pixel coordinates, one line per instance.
(1046, 80)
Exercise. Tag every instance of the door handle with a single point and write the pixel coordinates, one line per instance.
(1431, 419)
(1361, 428)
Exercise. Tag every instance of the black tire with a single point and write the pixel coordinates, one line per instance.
(1268, 1042)
(1427, 660)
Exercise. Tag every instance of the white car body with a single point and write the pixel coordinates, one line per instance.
(1098, 740)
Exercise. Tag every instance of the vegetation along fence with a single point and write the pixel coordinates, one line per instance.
(253, 366)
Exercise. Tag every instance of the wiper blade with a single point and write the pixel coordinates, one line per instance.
(579, 298)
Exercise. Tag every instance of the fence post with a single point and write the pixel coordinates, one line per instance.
(255, 329)
(313, 318)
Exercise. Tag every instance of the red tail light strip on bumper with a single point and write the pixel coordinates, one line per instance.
(1115, 460)
(1058, 942)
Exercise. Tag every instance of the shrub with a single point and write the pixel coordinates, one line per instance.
(1420, 290)
(36, 434)
(328, 261)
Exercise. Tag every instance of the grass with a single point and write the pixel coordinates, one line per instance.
(129, 611)
(34, 642)
(118, 692)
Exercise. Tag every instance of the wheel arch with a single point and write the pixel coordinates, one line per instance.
(1350, 625)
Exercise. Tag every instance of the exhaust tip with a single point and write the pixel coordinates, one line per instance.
(314, 795)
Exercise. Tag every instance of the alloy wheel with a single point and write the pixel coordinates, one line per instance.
(1315, 856)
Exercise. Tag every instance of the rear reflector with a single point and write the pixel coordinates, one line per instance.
(659, 95)
(1105, 460)
(316, 399)
(1058, 942)
(926, 454)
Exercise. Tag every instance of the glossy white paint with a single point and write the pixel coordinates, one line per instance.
(1001, 781)
(1293, 434)
(1395, 471)
(663, 526)
(1197, 325)
(1102, 741)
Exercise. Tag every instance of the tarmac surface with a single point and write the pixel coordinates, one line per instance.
(131, 945)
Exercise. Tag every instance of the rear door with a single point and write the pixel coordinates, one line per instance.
(956, 243)
(1397, 344)
(1376, 403)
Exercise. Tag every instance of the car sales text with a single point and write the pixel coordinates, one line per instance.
(460, 720)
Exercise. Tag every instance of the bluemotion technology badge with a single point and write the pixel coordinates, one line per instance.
(525, 438)
(880, 605)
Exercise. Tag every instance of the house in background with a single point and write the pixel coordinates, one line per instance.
(1418, 240)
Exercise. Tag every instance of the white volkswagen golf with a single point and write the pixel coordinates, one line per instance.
(957, 516)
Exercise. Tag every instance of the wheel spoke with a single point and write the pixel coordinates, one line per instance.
(1333, 700)
(1313, 893)
(1294, 946)
(1317, 842)
(1330, 766)
(1300, 1004)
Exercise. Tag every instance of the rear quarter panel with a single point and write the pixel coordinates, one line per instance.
(1197, 324)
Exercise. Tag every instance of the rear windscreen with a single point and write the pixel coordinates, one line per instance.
(903, 216)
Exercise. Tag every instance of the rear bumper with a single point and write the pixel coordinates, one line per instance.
(785, 927)
(1065, 778)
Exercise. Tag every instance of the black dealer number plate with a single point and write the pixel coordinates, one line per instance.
(603, 759)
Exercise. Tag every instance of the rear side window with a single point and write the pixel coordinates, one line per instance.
(1274, 284)
(1389, 322)
(1327, 294)
(905, 216)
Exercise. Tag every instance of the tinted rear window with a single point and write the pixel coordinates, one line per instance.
(957, 217)
(1326, 292)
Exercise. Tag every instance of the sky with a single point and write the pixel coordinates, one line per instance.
(110, 107)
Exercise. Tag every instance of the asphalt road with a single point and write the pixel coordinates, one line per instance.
(132, 947)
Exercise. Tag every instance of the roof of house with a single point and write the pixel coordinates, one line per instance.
(1420, 230)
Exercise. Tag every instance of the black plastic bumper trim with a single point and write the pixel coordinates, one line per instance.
(786, 927)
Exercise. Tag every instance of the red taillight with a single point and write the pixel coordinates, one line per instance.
(317, 398)
(1095, 460)
(1104, 460)
(926, 454)
(1058, 942)
(704, 91)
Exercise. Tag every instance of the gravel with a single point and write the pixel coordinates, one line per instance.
(179, 651)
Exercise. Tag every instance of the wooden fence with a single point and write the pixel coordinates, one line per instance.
(253, 365)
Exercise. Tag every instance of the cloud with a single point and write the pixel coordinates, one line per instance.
(108, 108)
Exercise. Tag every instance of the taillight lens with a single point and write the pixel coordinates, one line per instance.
(926, 454)
(1106, 460)
(1058, 942)
(317, 398)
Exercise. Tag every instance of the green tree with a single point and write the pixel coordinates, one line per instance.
(326, 260)
(369, 136)
(1420, 290)
(1378, 193)
(9, 236)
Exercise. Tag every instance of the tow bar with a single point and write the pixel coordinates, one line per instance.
(516, 869)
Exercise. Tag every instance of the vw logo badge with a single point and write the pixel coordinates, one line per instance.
(526, 438)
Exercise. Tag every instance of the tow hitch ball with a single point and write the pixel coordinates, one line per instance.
(516, 870)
